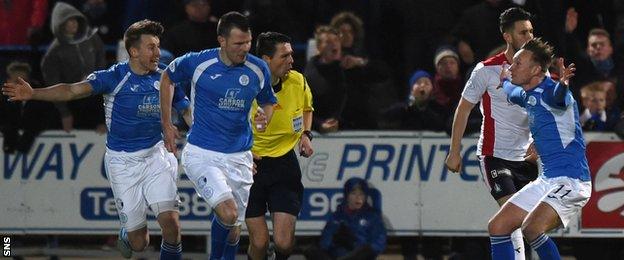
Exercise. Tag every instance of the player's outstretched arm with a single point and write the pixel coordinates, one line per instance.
(170, 132)
(453, 160)
(560, 91)
(21, 91)
(565, 73)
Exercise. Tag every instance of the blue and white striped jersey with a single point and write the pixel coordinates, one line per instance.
(554, 124)
(132, 106)
(221, 98)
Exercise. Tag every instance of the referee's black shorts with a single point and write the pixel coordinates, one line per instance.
(277, 186)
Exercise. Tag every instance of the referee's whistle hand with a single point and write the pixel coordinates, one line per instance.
(305, 147)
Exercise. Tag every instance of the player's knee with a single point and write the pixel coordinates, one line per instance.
(234, 235)
(284, 244)
(139, 245)
(497, 227)
(170, 224)
(530, 232)
(229, 217)
(259, 243)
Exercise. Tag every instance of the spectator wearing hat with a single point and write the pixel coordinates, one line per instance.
(419, 111)
(355, 231)
(448, 81)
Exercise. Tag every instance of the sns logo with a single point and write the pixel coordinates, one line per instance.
(6, 246)
(610, 179)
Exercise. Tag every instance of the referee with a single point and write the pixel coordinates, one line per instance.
(277, 183)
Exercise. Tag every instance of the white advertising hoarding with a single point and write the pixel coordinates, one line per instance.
(60, 187)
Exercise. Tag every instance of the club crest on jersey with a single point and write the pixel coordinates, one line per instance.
(532, 101)
(172, 67)
(157, 85)
(243, 80)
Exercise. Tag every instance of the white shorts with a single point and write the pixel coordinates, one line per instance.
(565, 195)
(219, 176)
(142, 178)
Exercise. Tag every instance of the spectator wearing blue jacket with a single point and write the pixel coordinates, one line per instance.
(355, 230)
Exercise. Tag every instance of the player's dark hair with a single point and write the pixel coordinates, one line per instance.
(542, 53)
(267, 41)
(510, 16)
(230, 21)
(132, 36)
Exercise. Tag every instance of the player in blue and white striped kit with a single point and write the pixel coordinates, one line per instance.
(217, 157)
(564, 186)
(140, 170)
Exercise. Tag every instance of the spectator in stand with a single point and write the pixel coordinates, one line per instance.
(355, 230)
(420, 111)
(596, 62)
(341, 91)
(351, 38)
(28, 116)
(19, 19)
(363, 77)
(597, 116)
(448, 82)
(75, 52)
(196, 33)
(327, 81)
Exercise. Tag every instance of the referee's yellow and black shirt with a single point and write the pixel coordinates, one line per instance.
(283, 132)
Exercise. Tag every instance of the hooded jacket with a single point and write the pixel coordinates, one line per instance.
(364, 227)
(72, 60)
